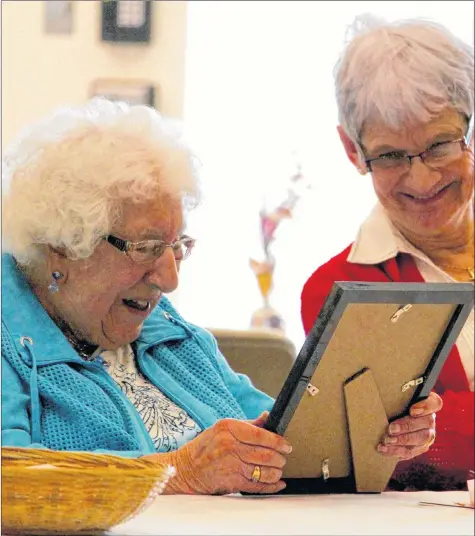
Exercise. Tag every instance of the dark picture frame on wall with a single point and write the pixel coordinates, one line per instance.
(131, 91)
(126, 21)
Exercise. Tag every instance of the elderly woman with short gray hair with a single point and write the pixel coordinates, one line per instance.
(405, 95)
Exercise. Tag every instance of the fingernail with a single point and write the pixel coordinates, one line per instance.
(394, 428)
(417, 411)
(390, 440)
(287, 448)
(382, 448)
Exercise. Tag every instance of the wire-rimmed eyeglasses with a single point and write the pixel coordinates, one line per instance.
(436, 156)
(148, 251)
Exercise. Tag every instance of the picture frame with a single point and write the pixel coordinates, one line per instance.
(132, 91)
(374, 350)
(58, 17)
(126, 21)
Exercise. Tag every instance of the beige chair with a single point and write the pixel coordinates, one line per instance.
(263, 355)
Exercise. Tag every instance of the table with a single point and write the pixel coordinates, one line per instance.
(389, 513)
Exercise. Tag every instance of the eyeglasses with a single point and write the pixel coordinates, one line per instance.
(148, 251)
(436, 156)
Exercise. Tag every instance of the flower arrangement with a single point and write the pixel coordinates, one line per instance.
(270, 220)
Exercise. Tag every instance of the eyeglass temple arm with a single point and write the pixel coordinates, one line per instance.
(469, 134)
(120, 244)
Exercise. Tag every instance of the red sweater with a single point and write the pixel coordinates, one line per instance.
(446, 464)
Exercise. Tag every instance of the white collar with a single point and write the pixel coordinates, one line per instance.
(378, 240)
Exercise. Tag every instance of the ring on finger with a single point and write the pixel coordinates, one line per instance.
(256, 474)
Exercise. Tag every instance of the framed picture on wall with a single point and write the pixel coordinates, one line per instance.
(126, 21)
(131, 91)
(58, 17)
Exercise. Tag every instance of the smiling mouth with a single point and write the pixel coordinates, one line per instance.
(430, 197)
(139, 305)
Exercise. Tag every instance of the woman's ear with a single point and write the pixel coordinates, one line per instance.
(351, 151)
(57, 261)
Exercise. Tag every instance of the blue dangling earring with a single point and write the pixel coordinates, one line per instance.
(53, 286)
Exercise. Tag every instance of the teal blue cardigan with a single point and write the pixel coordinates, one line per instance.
(51, 398)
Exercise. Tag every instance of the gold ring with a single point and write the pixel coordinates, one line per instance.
(431, 440)
(256, 474)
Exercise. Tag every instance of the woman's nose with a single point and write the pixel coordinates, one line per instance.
(421, 177)
(164, 272)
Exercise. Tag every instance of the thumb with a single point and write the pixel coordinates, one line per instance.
(261, 420)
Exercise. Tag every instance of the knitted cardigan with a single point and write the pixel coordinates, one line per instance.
(52, 398)
(446, 464)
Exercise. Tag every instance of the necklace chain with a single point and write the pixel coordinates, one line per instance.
(84, 349)
(468, 269)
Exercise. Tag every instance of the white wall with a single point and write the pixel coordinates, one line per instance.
(259, 84)
(40, 71)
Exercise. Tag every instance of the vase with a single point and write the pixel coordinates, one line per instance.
(267, 318)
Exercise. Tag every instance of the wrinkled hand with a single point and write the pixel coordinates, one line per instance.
(413, 435)
(222, 459)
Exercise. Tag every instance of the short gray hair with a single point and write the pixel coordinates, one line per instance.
(401, 72)
(66, 178)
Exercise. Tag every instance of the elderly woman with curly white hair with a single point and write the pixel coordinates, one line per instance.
(94, 356)
(405, 100)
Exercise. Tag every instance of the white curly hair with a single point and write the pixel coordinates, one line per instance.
(66, 177)
(401, 73)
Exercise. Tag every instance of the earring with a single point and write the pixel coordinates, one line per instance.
(53, 286)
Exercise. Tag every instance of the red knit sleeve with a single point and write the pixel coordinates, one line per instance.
(446, 464)
(313, 297)
(318, 286)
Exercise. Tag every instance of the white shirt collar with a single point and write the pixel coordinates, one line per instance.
(378, 240)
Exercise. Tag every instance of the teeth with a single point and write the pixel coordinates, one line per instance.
(141, 305)
(422, 197)
(425, 197)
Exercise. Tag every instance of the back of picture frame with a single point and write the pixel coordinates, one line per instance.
(375, 349)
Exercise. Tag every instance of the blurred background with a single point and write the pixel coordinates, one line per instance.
(252, 84)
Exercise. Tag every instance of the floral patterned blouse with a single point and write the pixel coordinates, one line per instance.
(169, 426)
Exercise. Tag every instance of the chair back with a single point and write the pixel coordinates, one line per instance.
(266, 357)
